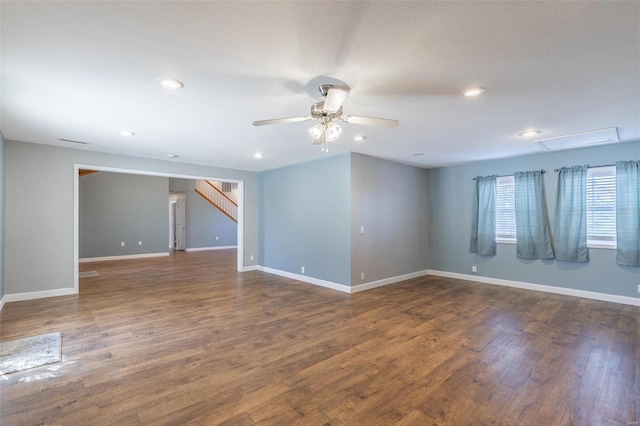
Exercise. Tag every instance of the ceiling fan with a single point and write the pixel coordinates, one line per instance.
(326, 112)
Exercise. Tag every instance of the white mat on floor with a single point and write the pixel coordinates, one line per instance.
(30, 352)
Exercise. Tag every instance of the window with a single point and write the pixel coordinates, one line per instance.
(227, 187)
(505, 210)
(601, 207)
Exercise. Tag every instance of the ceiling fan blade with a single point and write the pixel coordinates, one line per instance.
(335, 99)
(281, 120)
(370, 121)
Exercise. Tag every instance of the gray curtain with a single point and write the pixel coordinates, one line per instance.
(628, 213)
(533, 239)
(570, 231)
(483, 222)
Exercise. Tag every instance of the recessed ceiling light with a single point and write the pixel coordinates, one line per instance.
(258, 155)
(359, 138)
(126, 133)
(474, 91)
(172, 155)
(170, 83)
(529, 133)
(418, 154)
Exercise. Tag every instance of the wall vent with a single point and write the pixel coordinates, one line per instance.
(580, 140)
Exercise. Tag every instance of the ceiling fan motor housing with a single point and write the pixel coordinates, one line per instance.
(318, 111)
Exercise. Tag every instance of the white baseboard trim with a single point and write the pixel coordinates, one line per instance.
(124, 257)
(251, 268)
(2, 303)
(17, 297)
(341, 287)
(322, 283)
(387, 281)
(211, 248)
(625, 300)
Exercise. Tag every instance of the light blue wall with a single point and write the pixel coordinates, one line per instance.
(204, 221)
(305, 218)
(2, 203)
(390, 201)
(119, 207)
(450, 196)
(39, 209)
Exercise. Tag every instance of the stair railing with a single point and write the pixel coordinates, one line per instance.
(217, 198)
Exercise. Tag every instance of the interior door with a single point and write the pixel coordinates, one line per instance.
(172, 225)
(181, 225)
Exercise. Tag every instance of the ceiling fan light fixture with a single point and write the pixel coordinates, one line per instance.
(126, 133)
(333, 131)
(475, 91)
(258, 155)
(317, 131)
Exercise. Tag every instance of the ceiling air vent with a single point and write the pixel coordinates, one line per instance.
(580, 140)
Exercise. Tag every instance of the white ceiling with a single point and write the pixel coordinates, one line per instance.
(86, 70)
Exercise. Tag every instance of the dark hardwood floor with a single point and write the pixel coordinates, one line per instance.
(187, 340)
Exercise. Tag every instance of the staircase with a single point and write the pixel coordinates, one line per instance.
(214, 195)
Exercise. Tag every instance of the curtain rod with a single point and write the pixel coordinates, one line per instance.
(591, 167)
(541, 171)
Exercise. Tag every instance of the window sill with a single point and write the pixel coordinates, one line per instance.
(600, 245)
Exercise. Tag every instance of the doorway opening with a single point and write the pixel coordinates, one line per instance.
(240, 222)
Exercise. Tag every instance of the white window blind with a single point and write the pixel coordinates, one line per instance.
(601, 206)
(505, 210)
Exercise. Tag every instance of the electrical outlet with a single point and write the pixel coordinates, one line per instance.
(361, 276)
(139, 243)
(474, 268)
(638, 288)
(216, 237)
(250, 257)
(302, 269)
(122, 244)
(362, 229)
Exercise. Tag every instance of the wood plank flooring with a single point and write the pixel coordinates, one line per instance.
(187, 340)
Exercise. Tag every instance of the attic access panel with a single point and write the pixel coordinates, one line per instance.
(580, 140)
